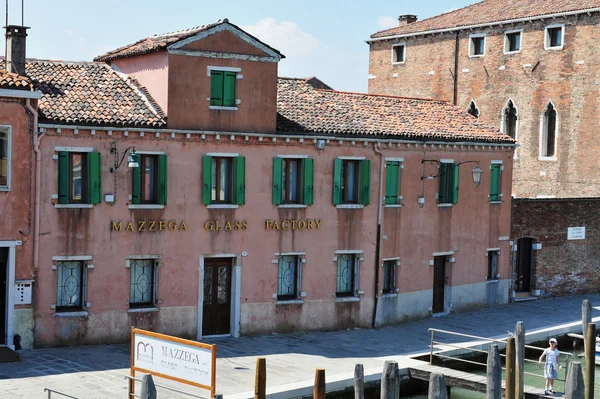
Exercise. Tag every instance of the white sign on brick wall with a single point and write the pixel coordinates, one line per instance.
(576, 233)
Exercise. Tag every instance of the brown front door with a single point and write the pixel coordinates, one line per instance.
(524, 247)
(3, 265)
(216, 316)
(439, 284)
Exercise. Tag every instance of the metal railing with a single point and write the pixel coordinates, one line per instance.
(468, 346)
(193, 395)
(51, 391)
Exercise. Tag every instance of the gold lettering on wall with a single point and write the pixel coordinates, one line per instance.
(149, 225)
(216, 225)
(293, 224)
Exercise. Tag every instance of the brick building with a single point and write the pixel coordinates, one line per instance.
(529, 68)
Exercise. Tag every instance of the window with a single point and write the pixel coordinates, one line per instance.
(223, 179)
(492, 272)
(477, 45)
(389, 276)
(448, 183)
(398, 53)
(79, 177)
(496, 182)
(554, 37)
(509, 122)
(222, 88)
(393, 171)
(473, 110)
(293, 181)
(347, 270)
(4, 159)
(351, 181)
(142, 285)
(288, 281)
(549, 130)
(150, 179)
(512, 42)
(70, 286)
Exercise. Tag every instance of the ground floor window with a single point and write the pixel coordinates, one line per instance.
(70, 286)
(492, 273)
(142, 287)
(288, 282)
(347, 265)
(389, 276)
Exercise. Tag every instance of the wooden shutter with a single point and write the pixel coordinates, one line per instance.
(162, 179)
(391, 182)
(94, 178)
(337, 181)
(364, 194)
(239, 180)
(136, 174)
(216, 87)
(229, 89)
(495, 182)
(63, 177)
(307, 181)
(277, 179)
(443, 189)
(206, 179)
(454, 169)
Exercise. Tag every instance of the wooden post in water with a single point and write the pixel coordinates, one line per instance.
(574, 388)
(359, 382)
(590, 361)
(437, 387)
(520, 360)
(390, 380)
(586, 318)
(319, 391)
(494, 373)
(260, 381)
(510, 369)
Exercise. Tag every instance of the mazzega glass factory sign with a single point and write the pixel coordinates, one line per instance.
(178, 359)
(576, 233)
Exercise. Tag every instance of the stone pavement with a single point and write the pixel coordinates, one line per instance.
(99, 371)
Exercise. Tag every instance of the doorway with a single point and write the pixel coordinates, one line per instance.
(524, 261)
(3, 292)
(216, 316)
(439, 284)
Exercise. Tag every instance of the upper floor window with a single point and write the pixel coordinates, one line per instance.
(509, 119)
(79, 177)
(555, 37)
(149, 184)
(549, 128)
(496, 181)
(477, 45)
(473, 110)
(512, 41)
(70, 286)
(4, 159)
(448, 190)
(393, 179)
(293, 180)
(351, 181)
(223, 88)
(223, 179)
(398, 53)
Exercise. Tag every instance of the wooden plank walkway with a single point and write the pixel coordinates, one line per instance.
(472, 382)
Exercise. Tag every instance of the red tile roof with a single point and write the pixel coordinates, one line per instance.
(9, 80)
(303, 108)
(491, 11)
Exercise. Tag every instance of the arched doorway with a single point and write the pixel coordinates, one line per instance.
(524, 265)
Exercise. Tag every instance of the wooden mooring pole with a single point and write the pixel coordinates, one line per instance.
(586, 318)
(590, 361)
(574, 388)
(494, 373)
(510, 369)
(520, 360)
(260, 381)
(437, 387)
(390, 380)
(359, 382)
(319, 391)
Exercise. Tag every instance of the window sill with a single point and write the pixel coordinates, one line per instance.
(292, 206)
(476, 55)
(146, 206)
(290, 302)
(71, 314)
(222, 206)
(399, 63)
(350, 206)
(492, 282)
(221, 108)
(142, 310)
(495, 202)
(4, 189)
(554, 48)
(547, 158)
(73, 206)
(347, 299)
(393, 206)
(390, 295)
(445, 205)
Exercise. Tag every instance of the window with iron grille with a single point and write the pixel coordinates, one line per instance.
(347, 265)
(70, 287)
(142, 286)
(389, 276)
(288, 280)
(492, 273)
(4, 158)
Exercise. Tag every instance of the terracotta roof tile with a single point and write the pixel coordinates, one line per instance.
(9, 80)
(303, 108)
(490, 11)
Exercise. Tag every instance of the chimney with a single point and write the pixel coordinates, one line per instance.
(406, 19)
(15, 48)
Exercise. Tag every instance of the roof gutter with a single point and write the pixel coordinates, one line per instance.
(487, 24)
(12, 93)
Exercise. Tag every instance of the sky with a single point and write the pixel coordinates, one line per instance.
(323, 38)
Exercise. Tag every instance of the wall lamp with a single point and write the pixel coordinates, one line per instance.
(476, 173)
(131, 159)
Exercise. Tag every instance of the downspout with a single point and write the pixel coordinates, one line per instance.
(378, 238)
(456, 50)
(38, 158)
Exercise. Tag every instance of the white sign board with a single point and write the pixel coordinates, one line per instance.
(576, 233)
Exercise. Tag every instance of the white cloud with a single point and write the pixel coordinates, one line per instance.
(387, 22)
(68, 32)
(285, 36)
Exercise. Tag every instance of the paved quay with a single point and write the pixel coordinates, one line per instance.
(99, 371)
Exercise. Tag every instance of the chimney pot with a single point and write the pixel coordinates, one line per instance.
(16, 48)
(406, 19)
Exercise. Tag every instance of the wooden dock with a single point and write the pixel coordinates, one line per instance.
(472, 382)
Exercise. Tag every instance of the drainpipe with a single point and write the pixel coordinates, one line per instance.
(456, 49)
(38, 158)
(378, 242)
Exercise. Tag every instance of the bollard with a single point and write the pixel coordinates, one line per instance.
(319, 391)
(359, 382)
(148, 389)
(218, 396)
(494, 373)
(586, 318)
(574, 388)
(260, 381)
(510, 369)
(520, 360)
(437, 387)
(390, 380)
(590, 361)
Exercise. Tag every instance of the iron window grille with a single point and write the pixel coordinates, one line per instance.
(142, 290)
(492, 273)
(288, 277)
(70, 287)
(389, 277)
(347, 265)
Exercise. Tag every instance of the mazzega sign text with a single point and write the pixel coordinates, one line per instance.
(174, 358)
(576, 233)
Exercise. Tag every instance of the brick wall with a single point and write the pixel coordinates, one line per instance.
(532, 77)
(561, 267)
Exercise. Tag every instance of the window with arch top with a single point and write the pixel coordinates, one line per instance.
(473, 110)
(549, 132)
(510, 119)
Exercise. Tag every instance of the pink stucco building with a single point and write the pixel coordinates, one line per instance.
(186, 189)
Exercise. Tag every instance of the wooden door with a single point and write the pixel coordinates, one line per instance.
(524, 252)
(216, 316)
(439, 283)
(3, 290)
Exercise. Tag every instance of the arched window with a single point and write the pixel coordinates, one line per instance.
(549, 130)
(509, 121)
(473, 110)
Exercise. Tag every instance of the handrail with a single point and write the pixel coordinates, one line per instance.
(51, 391)
(128, 377)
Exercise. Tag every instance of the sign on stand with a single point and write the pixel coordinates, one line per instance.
(176, 359)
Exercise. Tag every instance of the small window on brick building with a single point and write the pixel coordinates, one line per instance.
(473, 110)
(555, 37)
(398, 53)
(510, 118)
(549, 130)
(512, 42)
(477, 45)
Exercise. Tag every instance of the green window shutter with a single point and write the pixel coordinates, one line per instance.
(364, 195)
(94, 182)
(455, 173)
(495, 182)
(63, 177)
(337, 181)
(229, 89)
(216, 87)
(443, 183)
(239, 180)
(206, 179)
(308, 166)
(162, 179)
(277, 179)
(391, 182)
(136, 174)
